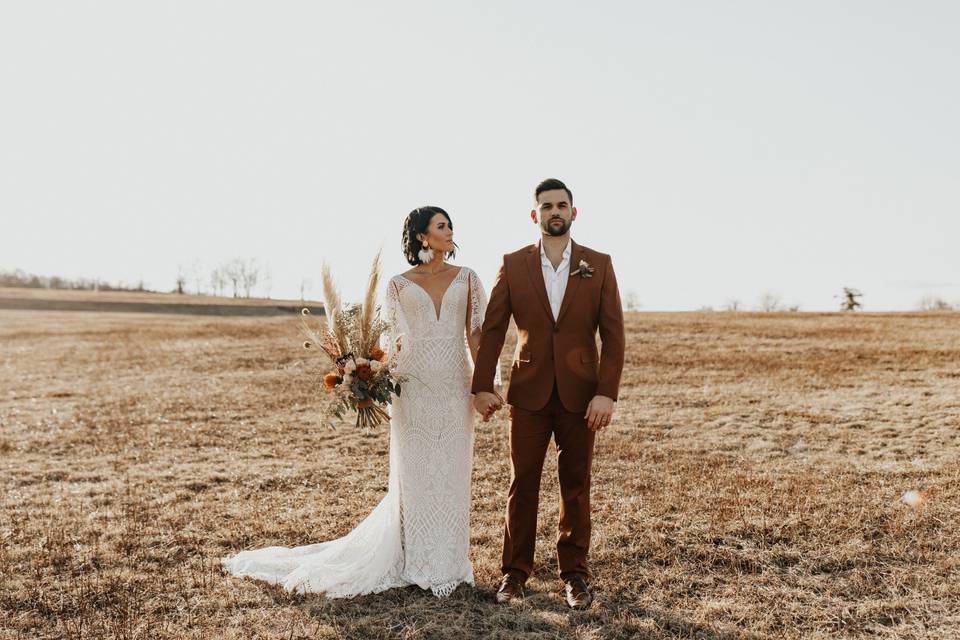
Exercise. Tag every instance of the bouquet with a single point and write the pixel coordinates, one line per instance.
(358, 376)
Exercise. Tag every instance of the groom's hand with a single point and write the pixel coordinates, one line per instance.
(599, 412)
(487, 404)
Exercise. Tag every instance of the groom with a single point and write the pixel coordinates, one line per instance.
(559, 293)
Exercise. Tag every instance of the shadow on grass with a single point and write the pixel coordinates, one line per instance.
(472, 613)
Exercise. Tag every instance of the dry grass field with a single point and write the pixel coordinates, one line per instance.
(750, 486)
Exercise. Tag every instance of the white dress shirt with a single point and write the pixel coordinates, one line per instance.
(556, 280)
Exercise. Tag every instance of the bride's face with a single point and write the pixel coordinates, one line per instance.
(439, 234)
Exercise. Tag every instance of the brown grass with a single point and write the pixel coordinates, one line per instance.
(749, 487)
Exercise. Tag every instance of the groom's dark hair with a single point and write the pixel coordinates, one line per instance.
(552, 184)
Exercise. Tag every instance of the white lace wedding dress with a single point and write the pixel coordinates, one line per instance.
(420, 532)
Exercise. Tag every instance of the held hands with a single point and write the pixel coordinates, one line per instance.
(599, 412)
(487, 404)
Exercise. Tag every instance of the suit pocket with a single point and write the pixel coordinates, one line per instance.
(523, 357)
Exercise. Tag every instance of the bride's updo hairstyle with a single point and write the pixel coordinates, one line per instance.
(417, 222)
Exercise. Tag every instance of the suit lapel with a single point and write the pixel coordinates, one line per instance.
(535, 270)
(573, 283)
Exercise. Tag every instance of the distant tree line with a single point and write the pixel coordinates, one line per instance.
(849, 301)
(22, 279)
(769, 302)
(238, 277)
(935, 303)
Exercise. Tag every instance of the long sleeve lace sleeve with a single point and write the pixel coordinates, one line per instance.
(398, 325)
(478, 305)
(476, 311)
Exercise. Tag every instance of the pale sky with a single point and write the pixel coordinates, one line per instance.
(715, 150)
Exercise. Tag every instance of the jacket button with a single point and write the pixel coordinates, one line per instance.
(556, 329)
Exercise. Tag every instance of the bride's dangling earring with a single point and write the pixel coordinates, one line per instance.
(426, 254)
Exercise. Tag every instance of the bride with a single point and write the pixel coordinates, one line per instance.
(419, 534)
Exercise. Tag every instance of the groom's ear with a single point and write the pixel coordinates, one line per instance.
(533, 215)
(573, 213)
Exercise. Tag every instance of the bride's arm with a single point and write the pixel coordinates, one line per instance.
(474, 319)
(476, 313)
(396, 321)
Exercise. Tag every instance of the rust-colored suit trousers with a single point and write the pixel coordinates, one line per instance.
(530, 433)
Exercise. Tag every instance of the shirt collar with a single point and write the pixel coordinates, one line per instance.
(566, 252)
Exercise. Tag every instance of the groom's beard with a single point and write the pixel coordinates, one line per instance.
(556, 229)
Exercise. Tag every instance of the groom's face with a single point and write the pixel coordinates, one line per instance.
(554, 213)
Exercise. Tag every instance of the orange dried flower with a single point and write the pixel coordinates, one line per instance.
(377, 354)
(330, 380)
(364, 372)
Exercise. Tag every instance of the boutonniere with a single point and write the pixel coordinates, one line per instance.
(584, 270)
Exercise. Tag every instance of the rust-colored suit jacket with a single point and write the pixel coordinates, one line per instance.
(564, 350)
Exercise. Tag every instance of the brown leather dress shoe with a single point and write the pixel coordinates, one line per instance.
(577, 593)
(511, 590)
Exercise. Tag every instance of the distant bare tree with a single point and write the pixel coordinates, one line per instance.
(181, 279)
(218, 280)
(266, 283)
(233, 272)
(631, 301)
(770, 301)
(305, 285)
(249, 275)
(849, 300)
(196, 274)
(732, 305)
(933, 303)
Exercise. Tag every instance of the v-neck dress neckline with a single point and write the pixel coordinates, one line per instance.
(438, 311)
